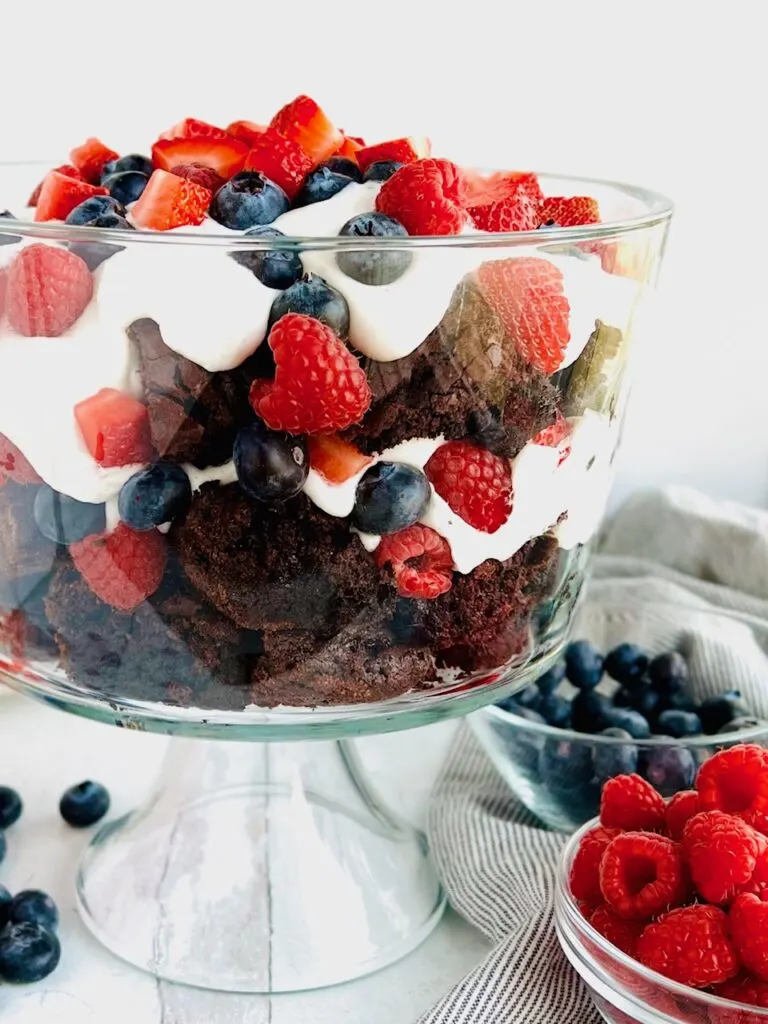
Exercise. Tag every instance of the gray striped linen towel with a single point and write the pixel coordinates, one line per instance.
(496, 861)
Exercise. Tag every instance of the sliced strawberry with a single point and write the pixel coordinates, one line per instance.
(90, 158)
(115, 428)
(402, 151)
(483, 190)
(3, 289)
(513, 213)
(59, 195)
(281, 160)
(67, 170)
(225, 156)
(350, 147)
(246, 131)
(170, 201)
(191, 128)
(570, 211)
(302, 121)
(334, 459)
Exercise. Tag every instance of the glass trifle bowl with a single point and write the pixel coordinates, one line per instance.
(304, 480)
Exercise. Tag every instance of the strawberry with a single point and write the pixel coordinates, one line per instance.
(48, 289)
(334, 459)
(201, 175)
(482, 190)
(59, 195)
(3, 289)
(420, 561)
(191, 128)
(122, 568)
(67, 170)
(474, 482)
(503, 201)
(115, 428)
(350, 147)
(302, 121)
(427, 197)
(527, 294)
(169, 201)
(401, 151)
(225, 155)
(631, 259)
(90, 158)
(554, 436)
(281, 160)
(569, 212)
(246, 131)
(14, 464)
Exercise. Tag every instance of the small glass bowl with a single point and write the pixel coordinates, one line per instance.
(623, 990)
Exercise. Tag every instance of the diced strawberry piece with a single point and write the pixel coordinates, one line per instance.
(59, 195)
(170, 201)
(205, 176)
(90, 158)
(14, 464)
(303, 121)
(192, 128)
(122, 568)
(281, 160)
(225, 156)
(67, 170)
(350, 147)
(570, 211)
(507, 201)
(48, 289)
(402, 151)
(484, 189)
(334, 459)
(115, 428)
(246, 131)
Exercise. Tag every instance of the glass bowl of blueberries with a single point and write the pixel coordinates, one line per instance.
(654, 688)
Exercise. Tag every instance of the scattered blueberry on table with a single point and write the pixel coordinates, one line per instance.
(32, 906)
(84, 804)
(10, 807)
(28, 952)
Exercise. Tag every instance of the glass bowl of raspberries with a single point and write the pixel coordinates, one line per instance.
(661, 906)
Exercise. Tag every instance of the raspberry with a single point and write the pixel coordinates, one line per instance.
(691, 945)
(569, 212)
(14, 464)
(426, 196)
(318, 386)
(517, 212)
(420, 560)
(723, 853)
(622, 933)
(527, 294)
(629, 802)
(48, 289)
(736, 781)
(122, 568)
(749, 925)
(585, 870)
(201, 175)
(642, 873)
(680, 808)
(475, 483)
(742, 989)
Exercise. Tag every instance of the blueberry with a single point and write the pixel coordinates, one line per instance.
(551, 223)
(583, 664)
(126, 186)
(626, 664)
(129, 162)
(679, 723)
(10, 807)
(668, 769)
(97, 206)
(65, 520)
(742, 722)
(248, 199)
(5, 906)
(340, 165)
(556, 711)
(669, 673)
(486, 427)
(719, 711)
(550, 681)
(381, 170)
(632, 721)
(156, 495)
(679, 701)
(590, 711)
(381, 266)
(271, 466)
(566, 764)
(389, 497)
(530, 715)
(274, 269)
(95, 253)
(528, 697)
(8, 239)
(623, 698)
(3, 847)
(34, 907)
(312, 296)
(28, 953)
(524, 745)
(645, 700)
(612, 759)
(84, 804)
(319, 185)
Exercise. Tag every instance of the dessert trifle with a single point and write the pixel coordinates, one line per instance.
(290, 419)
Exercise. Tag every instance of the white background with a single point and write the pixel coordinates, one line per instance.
(668, 93)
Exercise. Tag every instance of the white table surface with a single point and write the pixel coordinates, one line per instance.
(43, 751)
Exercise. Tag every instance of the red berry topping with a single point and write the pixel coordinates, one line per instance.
(483, 190)
(90, 158)
(401, 151)
(680, 808)
(585, 870)
(48, 289)
(691, 945)
(169, 201)
(642, 873)
(723, 853)
(420, 561)
(742, 989)
(3, 289)
(334, 459)
(736, 781)
(302, 121)
(281, 160)
(115, 428)
(14, 465)
(66, 169)
(14, 629)
(527, 294)
(204, 176)
(319, 386)
(427, 197)
(569, 212)
(246, 131)
(629, 802)
(350, 147)
(618, 930)
(555, 436)
(60, 194)
(122, 568)
(192, 128)
(225, 155)
(475, 483)
(749, 924)
(513, 213)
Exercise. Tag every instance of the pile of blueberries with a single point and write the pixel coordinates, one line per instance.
(29, 946)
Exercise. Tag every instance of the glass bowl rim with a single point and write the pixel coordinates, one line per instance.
(563, 894)
(659, 210)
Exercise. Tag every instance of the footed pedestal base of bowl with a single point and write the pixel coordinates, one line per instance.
(260, 868)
